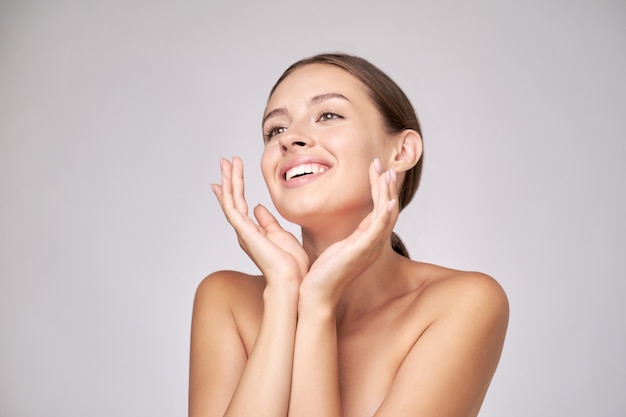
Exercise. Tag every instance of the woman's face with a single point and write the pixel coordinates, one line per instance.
(321, 132)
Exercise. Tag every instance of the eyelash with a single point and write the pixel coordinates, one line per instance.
(273, 130)
(329, 112)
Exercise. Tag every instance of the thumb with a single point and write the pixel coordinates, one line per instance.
(266, 220)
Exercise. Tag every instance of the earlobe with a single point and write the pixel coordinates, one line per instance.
(408, 150)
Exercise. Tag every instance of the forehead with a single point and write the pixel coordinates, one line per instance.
(315, 79)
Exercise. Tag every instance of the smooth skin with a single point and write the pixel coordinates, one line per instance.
(340, 325)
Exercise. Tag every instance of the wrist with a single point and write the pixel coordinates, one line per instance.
(283, 291)
(314, 305)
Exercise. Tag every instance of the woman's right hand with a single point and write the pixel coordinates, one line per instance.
(276, 252)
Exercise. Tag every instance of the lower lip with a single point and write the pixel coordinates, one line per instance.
(303, 180)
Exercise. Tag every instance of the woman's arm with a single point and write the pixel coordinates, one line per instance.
(217, 356)
(224, 381)
(315, 390)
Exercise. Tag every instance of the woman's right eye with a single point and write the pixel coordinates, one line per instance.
(273, 131)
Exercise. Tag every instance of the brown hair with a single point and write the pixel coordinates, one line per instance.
(394, 106)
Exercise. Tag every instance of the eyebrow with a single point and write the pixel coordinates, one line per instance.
(281, 111)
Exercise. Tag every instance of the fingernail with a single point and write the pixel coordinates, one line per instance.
(394, 177)
(391, 205)
(377, 165)
(388, 176)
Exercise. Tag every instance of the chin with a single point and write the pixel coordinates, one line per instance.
(324, 215)
(299, 217)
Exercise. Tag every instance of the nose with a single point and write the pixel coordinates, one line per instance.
(293, 139)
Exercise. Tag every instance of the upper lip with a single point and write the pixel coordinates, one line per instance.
(301, 160)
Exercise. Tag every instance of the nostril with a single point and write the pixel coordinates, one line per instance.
(299, 143)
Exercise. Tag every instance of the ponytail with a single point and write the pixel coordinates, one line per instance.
(398, 246)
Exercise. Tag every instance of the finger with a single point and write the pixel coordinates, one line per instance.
(232, 187)
(217, 190)
(374, 173)
(385, 212)
(391, 187)
(389, 215)
(227, 201)
(266, 220)
(382, 194)
(378, 185)
(393, 191)
(227, 187)
(238, 186)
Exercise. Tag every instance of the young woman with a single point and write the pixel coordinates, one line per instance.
(344, 323)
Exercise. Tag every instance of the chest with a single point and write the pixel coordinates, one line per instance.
(370, 352)
(369, 359)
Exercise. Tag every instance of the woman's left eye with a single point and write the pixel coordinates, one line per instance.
(328, 115)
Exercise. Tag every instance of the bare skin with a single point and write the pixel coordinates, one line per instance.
(339, 325)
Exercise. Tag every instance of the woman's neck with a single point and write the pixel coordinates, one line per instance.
(321, 232)
(381, 281)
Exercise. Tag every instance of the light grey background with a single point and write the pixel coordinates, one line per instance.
(113, 115)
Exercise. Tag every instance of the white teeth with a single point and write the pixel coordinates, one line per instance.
(304, 169)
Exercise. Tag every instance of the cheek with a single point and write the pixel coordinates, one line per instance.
(267, 165)
(355, 140)
(367, 148)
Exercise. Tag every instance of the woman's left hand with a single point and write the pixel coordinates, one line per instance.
(334, 270)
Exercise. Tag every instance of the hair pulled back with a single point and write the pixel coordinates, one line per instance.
(393, 105)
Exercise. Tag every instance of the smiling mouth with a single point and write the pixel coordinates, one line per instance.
(304, 169)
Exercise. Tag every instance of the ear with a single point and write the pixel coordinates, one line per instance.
(407, 150)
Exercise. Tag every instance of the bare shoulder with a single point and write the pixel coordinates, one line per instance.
(229, 301)
(454, 292)
(459, 322)
(223, 329)
(234, 294)
(227, 280)
(230, 288)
